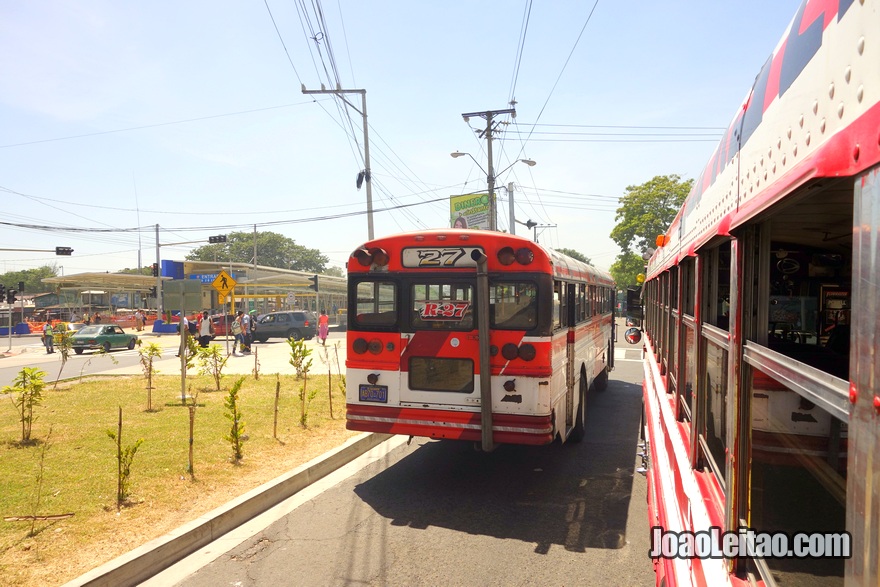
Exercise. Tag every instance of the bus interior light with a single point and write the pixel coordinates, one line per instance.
(506, 256)
(524, 256)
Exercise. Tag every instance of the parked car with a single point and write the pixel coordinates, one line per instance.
(102, 336)
(222, 324)
(292, 324)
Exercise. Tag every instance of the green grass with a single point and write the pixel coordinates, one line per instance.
(80, 470)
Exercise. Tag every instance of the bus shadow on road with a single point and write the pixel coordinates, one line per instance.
(573, 495)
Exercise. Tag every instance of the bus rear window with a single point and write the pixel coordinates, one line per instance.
(443, 306)
(514, 305)
(376, 304)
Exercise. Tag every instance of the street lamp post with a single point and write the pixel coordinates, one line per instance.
(365, 174)
(490, 180)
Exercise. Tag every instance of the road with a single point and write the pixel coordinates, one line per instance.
(28, 351)
(434, 513)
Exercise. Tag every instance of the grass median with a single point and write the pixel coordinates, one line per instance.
(71, 466)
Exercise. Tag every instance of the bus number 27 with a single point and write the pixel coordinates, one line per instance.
(440, 257)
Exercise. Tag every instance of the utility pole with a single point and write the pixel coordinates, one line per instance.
(490, 175)
(365, 173)
(159, 305)
(510, 207)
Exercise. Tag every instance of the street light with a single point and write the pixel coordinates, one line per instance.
(490, 180)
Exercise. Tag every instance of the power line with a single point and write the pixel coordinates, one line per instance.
(156, 125)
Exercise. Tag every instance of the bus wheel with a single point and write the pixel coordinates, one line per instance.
(580, 430)
(601, 381)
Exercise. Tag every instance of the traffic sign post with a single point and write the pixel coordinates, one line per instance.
(224, 284)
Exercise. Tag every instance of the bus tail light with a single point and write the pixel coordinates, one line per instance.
(527, 352)
(374, 256)
(506, 256)
(509, 351)
(359, 346)
(373, 378)
(525, 256)
(375, 346)
(509, 385)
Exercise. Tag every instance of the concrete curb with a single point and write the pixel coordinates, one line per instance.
(159, 554)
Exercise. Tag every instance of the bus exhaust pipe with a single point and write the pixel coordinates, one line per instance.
(488, 443)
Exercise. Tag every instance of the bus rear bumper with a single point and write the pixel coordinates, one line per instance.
(449, 425)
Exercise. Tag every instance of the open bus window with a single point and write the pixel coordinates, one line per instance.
(376, 304)
(798, 480)
(514, 305)
(443, 306)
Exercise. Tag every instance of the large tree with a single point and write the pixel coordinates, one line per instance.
(32, 278)
(273, 250)
(575, 255)
(647, 210)
(625, 269)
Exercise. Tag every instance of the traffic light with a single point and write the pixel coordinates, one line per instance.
(220, 238)
(314, 280)
(21, 287)
(155, 268)
(153, 292)
(67, 251)
(2, 292)
(10, 296)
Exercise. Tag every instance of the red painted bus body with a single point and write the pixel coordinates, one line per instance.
(414, 360)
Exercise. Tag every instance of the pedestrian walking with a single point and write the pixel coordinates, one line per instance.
(237, 333)
(323, 327)
(246, 332)
(206, 330)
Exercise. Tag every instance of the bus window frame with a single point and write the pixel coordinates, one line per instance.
(355, 322)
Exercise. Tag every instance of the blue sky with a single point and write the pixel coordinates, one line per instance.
(190, 115)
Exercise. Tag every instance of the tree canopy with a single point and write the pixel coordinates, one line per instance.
(625, 269)
(273, 250)
(575, 255)
(647, 210)
(32, 279)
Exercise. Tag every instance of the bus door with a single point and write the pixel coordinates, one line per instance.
(568, 315)
(439, 360)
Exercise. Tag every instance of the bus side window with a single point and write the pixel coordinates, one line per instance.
(557, 305)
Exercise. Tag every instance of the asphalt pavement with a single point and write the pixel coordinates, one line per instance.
(273, 356)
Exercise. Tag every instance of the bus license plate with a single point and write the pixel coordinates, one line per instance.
(373, 393)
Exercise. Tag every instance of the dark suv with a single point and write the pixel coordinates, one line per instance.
(295, 324)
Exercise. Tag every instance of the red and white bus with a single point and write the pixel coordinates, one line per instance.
(474, 335)
(761, 323)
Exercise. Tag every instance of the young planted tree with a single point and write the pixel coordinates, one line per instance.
(28, 384)
(211, 362)
(124, 458)
(305, 396)
(149, 353)
(192, 428)
(299, 356)
(277, 398)
(236, 435)
(63, 346)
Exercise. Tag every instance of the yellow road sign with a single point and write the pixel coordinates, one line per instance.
(224, 283)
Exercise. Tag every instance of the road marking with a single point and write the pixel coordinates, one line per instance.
(628, 353)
